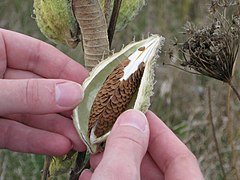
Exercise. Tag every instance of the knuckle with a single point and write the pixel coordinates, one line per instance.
(186, 157)
(32, 97)
(34, 57)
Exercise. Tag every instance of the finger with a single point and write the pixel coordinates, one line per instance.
(53, 123)
(125, 147)
(86, 175)
(149, 169)
(39, 96)
(21, 138)
(38, 57)
(67, 114)
(19, 74)
(170, 154)
(95, 159)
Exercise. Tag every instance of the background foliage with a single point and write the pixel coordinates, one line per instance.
(180, 98)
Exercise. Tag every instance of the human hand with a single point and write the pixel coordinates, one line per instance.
(143, 148)
(36, 82)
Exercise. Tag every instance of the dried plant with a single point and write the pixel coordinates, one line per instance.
(212, 50)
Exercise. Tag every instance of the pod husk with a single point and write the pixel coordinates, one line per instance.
(100, 73)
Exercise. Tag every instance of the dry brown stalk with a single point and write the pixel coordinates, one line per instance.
(210, 118)
(230, 134)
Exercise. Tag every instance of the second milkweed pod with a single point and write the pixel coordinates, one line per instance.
(124, 80)
(56, 21)
(128, 11)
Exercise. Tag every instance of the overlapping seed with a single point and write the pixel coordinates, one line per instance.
(113, 98)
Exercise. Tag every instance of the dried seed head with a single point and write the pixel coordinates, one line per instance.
(212, 50)
(112, 99)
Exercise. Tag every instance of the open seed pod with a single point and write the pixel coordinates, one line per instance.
(124, 80)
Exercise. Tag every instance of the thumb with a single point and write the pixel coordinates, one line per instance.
(38, 96)
(125, 147)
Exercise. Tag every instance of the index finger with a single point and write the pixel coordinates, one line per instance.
(172, 156)
(26, 53)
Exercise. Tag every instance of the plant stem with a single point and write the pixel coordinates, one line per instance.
(113, 20)
(230, 136)
(210, 117)
(80, 165)
(45, 171)
(234, 90)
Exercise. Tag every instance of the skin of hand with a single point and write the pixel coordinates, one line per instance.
(143, 147)
(39, 84)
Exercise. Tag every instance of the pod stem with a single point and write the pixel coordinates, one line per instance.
(45, 171)
(113, 20)
(81, 163)
(234, 90)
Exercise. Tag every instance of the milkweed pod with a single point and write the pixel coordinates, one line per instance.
(124, 80)
(128, 11)
(56, 21)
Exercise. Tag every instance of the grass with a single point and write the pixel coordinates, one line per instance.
(182, 100)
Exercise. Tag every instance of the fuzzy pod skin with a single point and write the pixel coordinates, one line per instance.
(128, 11)
(127, 76)
(56, 21)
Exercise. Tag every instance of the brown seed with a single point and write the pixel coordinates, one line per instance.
(141, 48)
(117, 95)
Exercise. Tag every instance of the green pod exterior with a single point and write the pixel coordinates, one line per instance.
(56, 21)
(128, 11)
(100, 73)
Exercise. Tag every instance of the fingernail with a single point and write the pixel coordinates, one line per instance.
(68, 94)
(134, 119)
